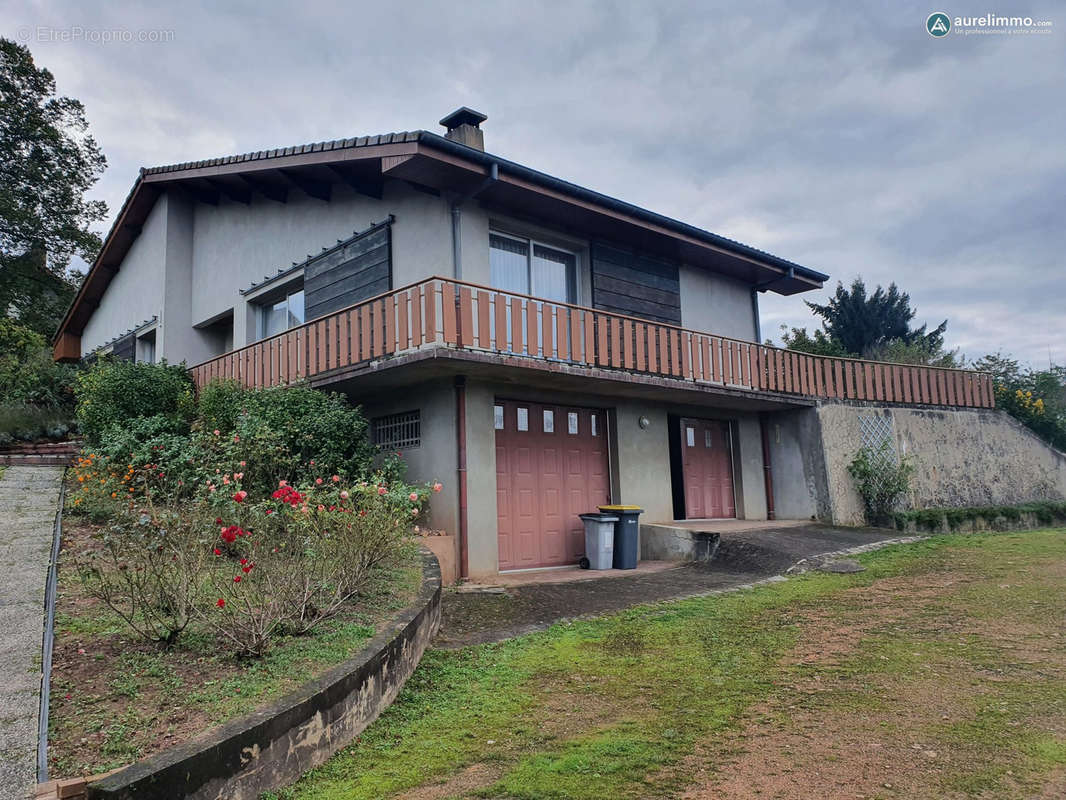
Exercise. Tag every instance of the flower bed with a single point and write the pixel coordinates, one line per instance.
(218, 552)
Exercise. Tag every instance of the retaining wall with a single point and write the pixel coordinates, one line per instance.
(962, 457)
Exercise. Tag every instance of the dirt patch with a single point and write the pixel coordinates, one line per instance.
(476, 776)
(837, 731)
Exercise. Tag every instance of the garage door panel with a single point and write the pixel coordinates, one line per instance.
(546, 476)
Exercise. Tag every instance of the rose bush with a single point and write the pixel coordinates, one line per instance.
(248, 566)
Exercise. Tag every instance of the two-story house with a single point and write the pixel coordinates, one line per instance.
(537, 346)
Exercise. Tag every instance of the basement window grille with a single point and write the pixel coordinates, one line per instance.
(398, 431)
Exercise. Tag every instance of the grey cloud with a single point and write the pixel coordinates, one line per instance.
(839, 135)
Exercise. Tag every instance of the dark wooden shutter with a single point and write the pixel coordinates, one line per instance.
(355, 270)
(628, 282)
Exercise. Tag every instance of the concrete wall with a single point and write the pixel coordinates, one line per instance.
(962, 457)
(136, 292)
(798, 465)
(716, 304)
(435, 459)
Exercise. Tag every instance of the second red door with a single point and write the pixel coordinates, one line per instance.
(707, 464)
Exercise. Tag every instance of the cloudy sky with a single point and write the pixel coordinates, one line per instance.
(842, 136)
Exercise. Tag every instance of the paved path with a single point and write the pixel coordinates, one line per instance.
(28, 497)
(742, 558)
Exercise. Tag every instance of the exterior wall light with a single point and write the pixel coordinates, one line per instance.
(644, 422)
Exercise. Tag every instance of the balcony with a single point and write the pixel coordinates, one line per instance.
(476, 322)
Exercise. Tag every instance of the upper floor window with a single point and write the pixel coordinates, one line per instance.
(280, 314)
(525, 266)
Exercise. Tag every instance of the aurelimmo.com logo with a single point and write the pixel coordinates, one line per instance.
(938, 24)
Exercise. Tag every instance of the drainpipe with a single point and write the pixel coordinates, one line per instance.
(457, 218)
(768, 476)
(460, 442)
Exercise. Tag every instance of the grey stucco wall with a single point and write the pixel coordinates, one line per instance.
(136, 292)
(962, 457)
(716, 304)
(640, 459)
(235, 245)
(435, 458)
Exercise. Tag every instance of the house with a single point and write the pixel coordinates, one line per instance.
(537, 346)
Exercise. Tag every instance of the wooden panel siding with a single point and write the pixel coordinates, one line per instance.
(352, 271)
(635, 285)
(440, 312)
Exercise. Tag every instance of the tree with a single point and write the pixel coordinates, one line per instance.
(48, 161)
(874, 326)
(861, 322)
(819, 344)
(1036, 398)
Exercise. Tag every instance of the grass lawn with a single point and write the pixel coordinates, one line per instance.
(939, 672)
(115, 698)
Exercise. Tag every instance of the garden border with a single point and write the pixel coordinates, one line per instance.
(272, 747)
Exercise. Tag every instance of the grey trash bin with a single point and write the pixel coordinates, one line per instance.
(599, 540)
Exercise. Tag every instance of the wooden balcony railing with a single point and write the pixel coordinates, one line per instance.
(440, 312)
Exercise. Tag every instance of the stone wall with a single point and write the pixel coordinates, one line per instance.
(962, 457)
(274, 746)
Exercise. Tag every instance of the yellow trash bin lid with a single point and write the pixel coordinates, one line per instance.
(620, 508)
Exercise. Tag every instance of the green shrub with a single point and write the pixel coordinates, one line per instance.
(881, 480)
(1045, 511)
(284, 433)
(220, 403)
(118, 392)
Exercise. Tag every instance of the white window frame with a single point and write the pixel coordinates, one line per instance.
(531, 242)
(263, 302)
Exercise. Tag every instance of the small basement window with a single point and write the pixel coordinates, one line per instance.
(397, 431)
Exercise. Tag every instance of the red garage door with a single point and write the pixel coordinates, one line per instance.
(707, 461)
(551, 465)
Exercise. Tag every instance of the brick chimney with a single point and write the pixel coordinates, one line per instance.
(463, 126)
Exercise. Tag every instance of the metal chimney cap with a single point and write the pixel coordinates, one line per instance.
(463, 116)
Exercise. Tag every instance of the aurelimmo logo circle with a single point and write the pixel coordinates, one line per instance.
(938, 24)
